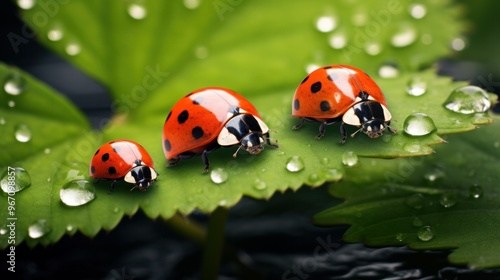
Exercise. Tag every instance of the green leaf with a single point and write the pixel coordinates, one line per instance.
(453, 192)
(148, 64)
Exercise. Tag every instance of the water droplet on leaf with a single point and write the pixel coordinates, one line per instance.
(468, 100)
(419, 124)
(38, 229)
(415, 201)
(475, 191)
(417, 222)
(137, 11)
(259, 185)
(405, 37)
(458, 44)
(425, 233)
(219, 175)
(23, 133)
(295, 164)
(448, 199)
(416, 87)
(73, 49)
(417, 10)
(373, 48)
(26, 4)
(388, 71)
(191, 4)
(412, 148)
(15, 84)
(55, 35)
(15, 179)
(326, 23)
(349, 158)
(338, 41)
(201, 52)
(400, 237)
(76, 193)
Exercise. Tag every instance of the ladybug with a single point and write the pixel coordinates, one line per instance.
(342, 93)
(123, 160)
(209, 118)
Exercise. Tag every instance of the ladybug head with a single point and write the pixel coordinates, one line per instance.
(374, 128)
(252, 142)
(141, 176)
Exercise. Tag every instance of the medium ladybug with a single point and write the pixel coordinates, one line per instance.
(209, 118)
(342, 93)
(123, 160)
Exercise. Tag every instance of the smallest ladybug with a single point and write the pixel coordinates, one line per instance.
(123, 160)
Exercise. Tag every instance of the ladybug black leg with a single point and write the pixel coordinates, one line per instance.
(343, 132)
(173, 162)
(204, 156)
(297, 126)
(112, 187)
(268, 141)
(322, 130)
(393, 130)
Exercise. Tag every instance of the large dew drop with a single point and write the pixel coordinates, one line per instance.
(38, 229)
(22, 133)
(77, 193)
(219, 175)
(418, 124)
(15, 179)
(468, 100)
(15, 84)
(295, 164)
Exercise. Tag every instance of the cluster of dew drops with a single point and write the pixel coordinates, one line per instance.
(464, 100)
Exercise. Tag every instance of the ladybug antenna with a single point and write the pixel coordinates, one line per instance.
(352, 135)
(236, 153)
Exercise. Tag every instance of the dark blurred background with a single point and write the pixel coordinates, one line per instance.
(269, 239)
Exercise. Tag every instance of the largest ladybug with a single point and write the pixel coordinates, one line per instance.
(209, 118)
(342, 93)
(123, 160)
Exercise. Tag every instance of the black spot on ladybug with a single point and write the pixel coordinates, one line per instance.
(92, 169)
(316, 87)
(197, 132)
(111, 170)
(296, 104)
(182, 117)
(96, 152)
(305, 79)
(327, 67)
(105, 157)
(168, 117)
(167, 145)
(324, 106)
